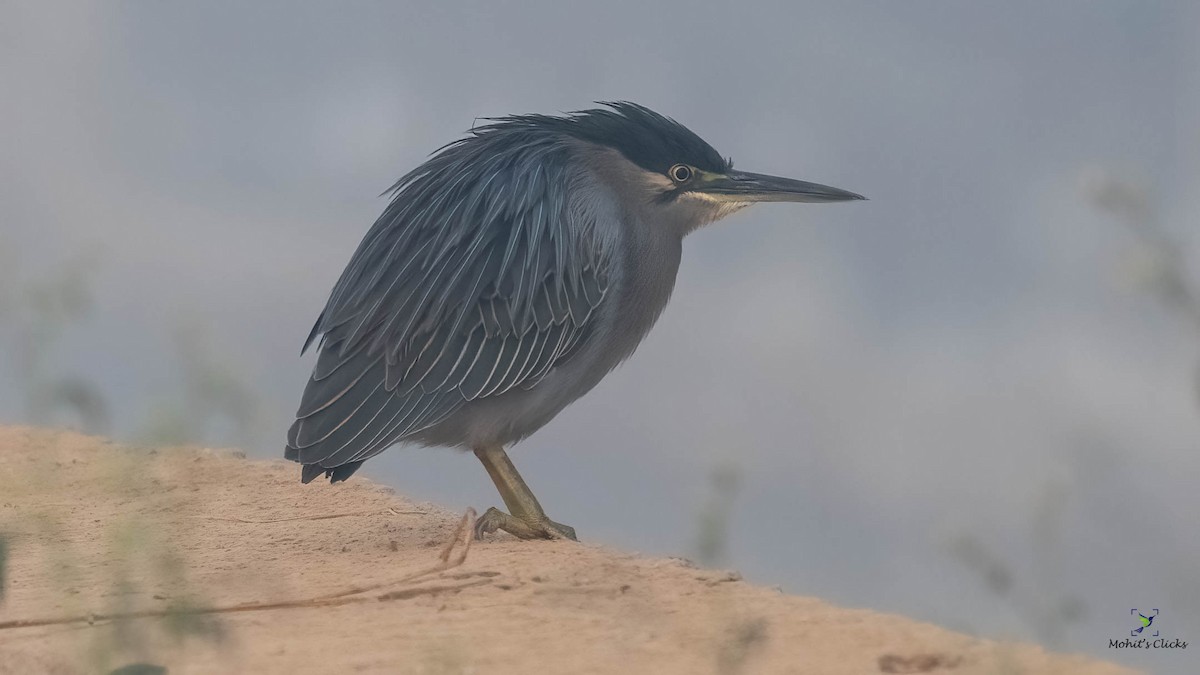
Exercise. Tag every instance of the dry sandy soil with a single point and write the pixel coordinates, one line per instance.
(319, 579)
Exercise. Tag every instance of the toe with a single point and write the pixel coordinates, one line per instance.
(560, 531)
(489, 522)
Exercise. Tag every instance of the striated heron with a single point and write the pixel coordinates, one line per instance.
(510, 273)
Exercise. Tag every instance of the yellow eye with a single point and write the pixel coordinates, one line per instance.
(680, 173)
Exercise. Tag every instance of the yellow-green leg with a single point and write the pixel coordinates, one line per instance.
(527, 519)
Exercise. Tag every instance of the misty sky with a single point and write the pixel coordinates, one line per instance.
(966, 353)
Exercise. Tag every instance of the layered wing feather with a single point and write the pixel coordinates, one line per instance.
(477, 279)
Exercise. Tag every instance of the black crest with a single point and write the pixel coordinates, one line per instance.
(644, 137)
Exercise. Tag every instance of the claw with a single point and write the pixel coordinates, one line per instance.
(494, 519)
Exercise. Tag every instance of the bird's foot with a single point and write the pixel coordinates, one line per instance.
(494, 519)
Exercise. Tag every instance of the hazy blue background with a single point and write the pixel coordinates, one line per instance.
(962, 400)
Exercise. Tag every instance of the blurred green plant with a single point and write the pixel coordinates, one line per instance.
(142, 560)
(36, 314)
(1040, 603)
(712, 537)
(1158, 264)
(742, 636)
(213, 400)
(141, 565)
(209, 400)
(745, 638)
(3, 565)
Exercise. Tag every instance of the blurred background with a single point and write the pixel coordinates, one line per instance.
(971, 400)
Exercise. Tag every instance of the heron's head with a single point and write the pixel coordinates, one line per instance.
(674, 172)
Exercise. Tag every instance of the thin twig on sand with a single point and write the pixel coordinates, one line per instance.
(327, 516)
(464, 534)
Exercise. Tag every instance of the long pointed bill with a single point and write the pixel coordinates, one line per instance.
(740, 186)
